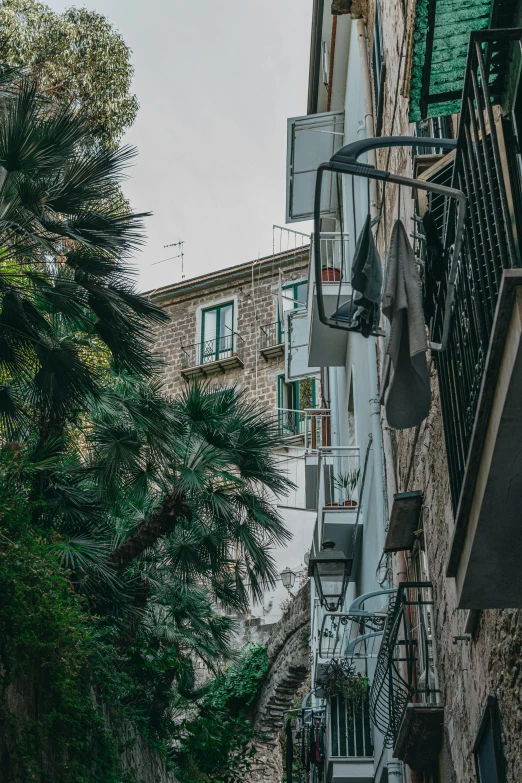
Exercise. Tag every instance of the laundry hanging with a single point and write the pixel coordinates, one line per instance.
(434, 267)
(363, 311)
(406, 392)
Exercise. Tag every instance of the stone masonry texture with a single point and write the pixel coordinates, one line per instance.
(492, 661)
(256, 291)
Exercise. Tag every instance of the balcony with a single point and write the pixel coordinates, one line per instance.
(327, 347)
(271, 340)
(405, 700)
(210, 357)
(339, 498)
(480, 372)
(349, 752)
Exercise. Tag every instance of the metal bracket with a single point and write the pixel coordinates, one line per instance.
(345, 162)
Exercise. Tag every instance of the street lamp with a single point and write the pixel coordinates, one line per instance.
(331, 571)
(288, 578)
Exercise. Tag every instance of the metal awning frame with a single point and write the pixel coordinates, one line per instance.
(345, 161)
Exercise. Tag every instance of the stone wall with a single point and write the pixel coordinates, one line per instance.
(492, 661)
(289, 658)
(255, 288)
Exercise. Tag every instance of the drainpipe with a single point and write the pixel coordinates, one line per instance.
(381, 432)
(395, 771)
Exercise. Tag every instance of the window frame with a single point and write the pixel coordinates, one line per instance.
(296, 305)
(217, 309)
(490, 720)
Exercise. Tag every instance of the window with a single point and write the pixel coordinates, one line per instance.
(291, 399)
(489, 759)
(217, 333)
(379, 69)
(294, 295)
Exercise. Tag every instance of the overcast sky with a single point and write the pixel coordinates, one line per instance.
(216, 82)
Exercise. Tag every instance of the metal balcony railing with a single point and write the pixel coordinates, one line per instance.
(339, 477)
(223, 351)
(350, 732)
(406, 666)
(311, 424)
(271, 335)
(335, 256)
(480, 170)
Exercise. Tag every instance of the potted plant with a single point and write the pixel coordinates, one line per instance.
(347, 484)
(330, 274)
(340, 678)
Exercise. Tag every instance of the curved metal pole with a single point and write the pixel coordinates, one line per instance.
(345, 162)
(359, 639)
(356, 605)
(351, 152)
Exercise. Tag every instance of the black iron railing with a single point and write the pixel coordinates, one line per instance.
(271, 335)
(480, 168)
(405, 670)
(350, 733)
(209, 351)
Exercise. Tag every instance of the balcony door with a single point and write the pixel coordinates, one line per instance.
(217, 333)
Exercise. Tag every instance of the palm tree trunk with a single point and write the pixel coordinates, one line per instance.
(158, 525)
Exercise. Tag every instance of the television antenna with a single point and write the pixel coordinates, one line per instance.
(171, 258)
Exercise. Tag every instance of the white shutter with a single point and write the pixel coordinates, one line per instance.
(311, 140)
(296, 346)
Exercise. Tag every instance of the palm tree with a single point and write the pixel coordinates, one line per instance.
(67, 299)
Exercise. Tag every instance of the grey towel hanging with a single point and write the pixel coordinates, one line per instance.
(406, 392)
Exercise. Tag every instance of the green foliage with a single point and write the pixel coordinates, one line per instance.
(239, 684)
(76, 57)
(341, 678)
(217, 745)
(48, 642)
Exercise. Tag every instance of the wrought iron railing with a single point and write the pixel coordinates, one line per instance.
(406, 667)
(480, 171)
(350, 731)
(271, 335)
(208, 351)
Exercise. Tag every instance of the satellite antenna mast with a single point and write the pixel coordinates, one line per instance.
(171, 258)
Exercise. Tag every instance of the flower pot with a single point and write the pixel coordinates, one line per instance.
(350, 503)
(329, 505)
(330, 275)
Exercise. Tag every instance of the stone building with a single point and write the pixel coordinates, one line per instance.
(228, 327)
(441, 643)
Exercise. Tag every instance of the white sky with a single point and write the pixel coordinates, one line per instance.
(216, 81)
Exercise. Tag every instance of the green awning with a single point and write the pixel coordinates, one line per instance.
(437, 77)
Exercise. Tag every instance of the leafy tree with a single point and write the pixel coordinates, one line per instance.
(75, 58)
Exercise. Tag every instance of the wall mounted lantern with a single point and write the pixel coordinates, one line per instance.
(331, 572)
(288, 578)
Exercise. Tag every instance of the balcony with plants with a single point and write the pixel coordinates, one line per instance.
(327, 347)
(339, 501)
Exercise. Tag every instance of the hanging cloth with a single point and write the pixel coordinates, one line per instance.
(363, 312)
(434, 268)
(311, 744)
(406, 392)
(289, 758)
